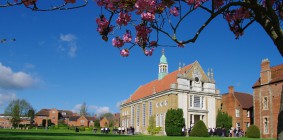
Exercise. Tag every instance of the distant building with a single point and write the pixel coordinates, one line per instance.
(5, 121)
(81, 121)
(104, 122)
(54, 115)
(188, 88)
(267, 97)
(116, 119)
(239, 106)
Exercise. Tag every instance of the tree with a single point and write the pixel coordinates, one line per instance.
(150, 18)
(223, 120)
(253, 132)
(43, 123)
(174, 122)
(31, 115)
(16, 109)
(152, 129)
(199, 130)
(52, 5)
(96, 123)
(83, 110)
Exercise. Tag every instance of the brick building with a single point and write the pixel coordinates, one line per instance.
(104, 122)
(239, 106)
(188, 88)
(81, 121)
(54, 115)
(5, 121)
(267, 96)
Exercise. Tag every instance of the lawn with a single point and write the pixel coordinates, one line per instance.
(87, 135)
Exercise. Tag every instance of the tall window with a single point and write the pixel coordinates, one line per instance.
(132, 115)
(161, 120)
(265, 125)
(265, 103)
(150, 108)
(247, 124)
(197, 101)
(248, 113)
(157, 120)
(237, 113)
(143, 114)
(138, 115)
(202, 101)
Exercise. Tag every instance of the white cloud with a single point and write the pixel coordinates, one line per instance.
(15, 80)
(71, 46)
(6, 97)
(68, 37)
(93, 108)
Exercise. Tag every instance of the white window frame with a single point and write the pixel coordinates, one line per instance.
(150, 108)
(138, 115)
(237, 111)
(143, 114)
(157, 120)
(248, 113)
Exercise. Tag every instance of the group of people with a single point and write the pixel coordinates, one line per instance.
(105, 130)
(121, 130)
(222, 132)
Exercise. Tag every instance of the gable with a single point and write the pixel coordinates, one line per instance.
(196, 71)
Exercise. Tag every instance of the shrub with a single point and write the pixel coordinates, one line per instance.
(253, 132)
(82, 128)
(199, 130)
(174, 122)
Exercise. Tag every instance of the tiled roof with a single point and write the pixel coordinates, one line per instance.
(90, 118)
(74, 118)
(157, 85)
(68, 113)
(276, 75)
(43, 112)
(245, 99)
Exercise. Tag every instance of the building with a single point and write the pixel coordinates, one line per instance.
(188, 88)
(239, 106)
(81, 121)
(54, 115)
(267, 97)
(116, 119)
(5, 121)
(104, 122)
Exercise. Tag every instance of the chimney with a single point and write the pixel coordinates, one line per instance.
(231, 89)
(265, 74)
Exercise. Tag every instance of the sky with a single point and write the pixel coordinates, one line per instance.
(59, 60)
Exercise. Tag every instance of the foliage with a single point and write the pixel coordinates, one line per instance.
(223, 120)
(49, 122)
(199, 130)
(109, 117)
(82, 128)
(174, 122)
(142, 21)
(44, 123)
(253, 132)
(31, 113)
(152, 129)
(96, 123)
(16, 109)
(83, 110)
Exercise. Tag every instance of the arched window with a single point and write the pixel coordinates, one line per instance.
(157, 120)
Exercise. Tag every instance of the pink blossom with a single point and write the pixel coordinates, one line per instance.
(123, 19)
(148, 52)
(125, 52)
(127, 36)
(153, 43)
(218, 3)
(117, 42)
(148, 16)
(145, 5)
(174, 11)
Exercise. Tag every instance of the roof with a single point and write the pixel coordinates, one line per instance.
(67, 113)
(156, 85)
(245, 99)
(43, 112)
(276, 75)
(74, 118)
(90, 118)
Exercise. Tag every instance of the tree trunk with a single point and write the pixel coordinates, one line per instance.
(280, 119)
(279, 44)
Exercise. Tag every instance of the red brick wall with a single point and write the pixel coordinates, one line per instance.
(53, 116)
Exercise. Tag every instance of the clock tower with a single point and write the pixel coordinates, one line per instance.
(163, 66)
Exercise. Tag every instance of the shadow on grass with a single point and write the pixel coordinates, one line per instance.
(10, 135)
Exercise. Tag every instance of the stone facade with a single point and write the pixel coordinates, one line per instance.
(267, 96)
(239, 106)
(188, 88)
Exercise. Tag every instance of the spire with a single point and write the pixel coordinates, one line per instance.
(163, 66)
(211, 74)
(208, 75)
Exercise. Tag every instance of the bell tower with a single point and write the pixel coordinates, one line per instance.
(163, 66)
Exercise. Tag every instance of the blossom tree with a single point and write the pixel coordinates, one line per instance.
(143, 21)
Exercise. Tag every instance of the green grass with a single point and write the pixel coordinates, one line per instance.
(87, 135)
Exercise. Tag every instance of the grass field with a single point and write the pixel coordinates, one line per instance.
(88, 135)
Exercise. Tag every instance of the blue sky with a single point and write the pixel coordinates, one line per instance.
(59, 60)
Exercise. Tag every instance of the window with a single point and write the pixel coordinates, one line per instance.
(82, 122)
(161, 120)
(265, 102)
(138, 115)
(197, 101)
(150, 109)
(157, 105)
(161, 104)
(237, 113)
(248, 113)
(202, 102)
(132, 115)
(157, 120)
(143, 114)
(265, 125)
(166, 103)
(63, 113)
(247, 124)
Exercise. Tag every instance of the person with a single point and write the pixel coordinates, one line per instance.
(123, 130)
(230, 132)
(183, 131)
(77, 129)
(119, 130)
(189, 131)
(133, 131)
